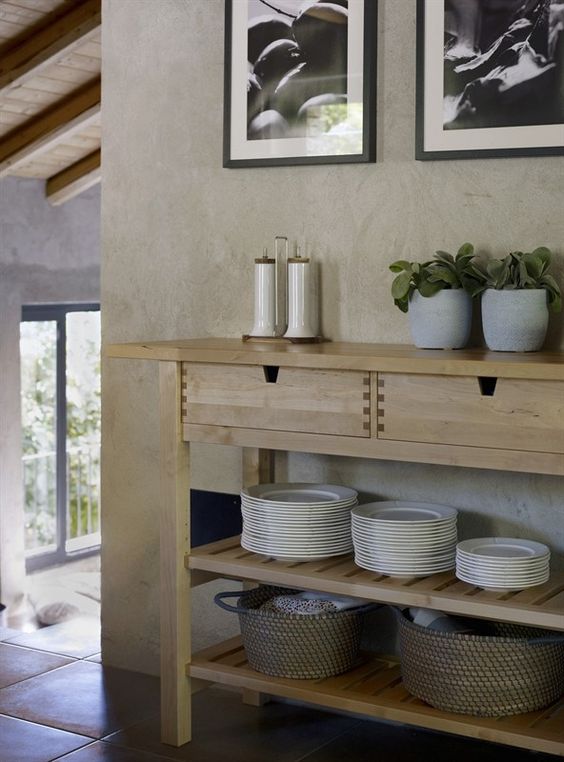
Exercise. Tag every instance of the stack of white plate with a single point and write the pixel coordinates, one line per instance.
(404, 539)
(298, 522)
(502, 563)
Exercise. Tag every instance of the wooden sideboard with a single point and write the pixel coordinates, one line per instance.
(466, 408)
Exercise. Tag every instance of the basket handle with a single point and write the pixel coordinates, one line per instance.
(546, 641)
(218, 599)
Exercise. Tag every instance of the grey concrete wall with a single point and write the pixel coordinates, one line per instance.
(179, 237)
(47, 254)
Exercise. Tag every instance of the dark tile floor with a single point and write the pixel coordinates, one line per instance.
(55, 705)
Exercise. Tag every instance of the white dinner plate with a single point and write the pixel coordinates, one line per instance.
(387, 527)
(447, 563)
(305, 544)
(300, 493)
(404, 557)
(401, 572)
(504, 547)
(405, 513)
(393, 539)
(502, 576)
(496, 586)
(524, 568)
(485, 563)
(328, 524)
(297, 542)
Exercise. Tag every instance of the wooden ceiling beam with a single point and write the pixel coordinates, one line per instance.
(74, 179)
(46, 46)
(43, 132)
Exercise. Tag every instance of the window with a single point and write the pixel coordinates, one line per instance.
(60, 372)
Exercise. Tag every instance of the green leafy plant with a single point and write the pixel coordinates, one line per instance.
(428, 278)
(518, 270)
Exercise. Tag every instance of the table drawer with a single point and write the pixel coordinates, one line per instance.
(271, 397)
(504, 413)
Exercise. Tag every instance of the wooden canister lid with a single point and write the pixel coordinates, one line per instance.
(264, 261)
(298, 260)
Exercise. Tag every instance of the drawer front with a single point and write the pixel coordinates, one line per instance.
(504, 413)
(282, 399)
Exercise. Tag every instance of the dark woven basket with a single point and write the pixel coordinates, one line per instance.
(299, 646)
(514, 670)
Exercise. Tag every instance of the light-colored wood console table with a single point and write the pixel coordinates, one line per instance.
(466, 408)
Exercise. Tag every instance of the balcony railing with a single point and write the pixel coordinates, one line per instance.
(82, 505)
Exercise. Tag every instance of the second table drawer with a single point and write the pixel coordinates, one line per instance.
(283, 399)
(504, 413)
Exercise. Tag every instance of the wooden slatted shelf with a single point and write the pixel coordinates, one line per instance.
(375, 689)
(540, 606)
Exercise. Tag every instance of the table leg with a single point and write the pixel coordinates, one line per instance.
(174, 545)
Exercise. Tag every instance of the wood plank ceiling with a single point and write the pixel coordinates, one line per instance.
(50, 63)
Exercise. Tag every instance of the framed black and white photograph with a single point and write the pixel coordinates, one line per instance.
(300, 82)
(490, 78)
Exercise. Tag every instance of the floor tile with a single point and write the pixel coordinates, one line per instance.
(83, 697)
(26, 742)
(78, 637)
(18, 663)
(103, 752)
(388, 742)
(226, 730)
(97, 658)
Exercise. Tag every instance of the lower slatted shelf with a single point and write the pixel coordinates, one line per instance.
(375, 689)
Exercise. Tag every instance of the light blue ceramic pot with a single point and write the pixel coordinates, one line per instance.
(515, 320)
(442, 321)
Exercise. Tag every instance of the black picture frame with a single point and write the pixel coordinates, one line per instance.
(422, 150)
(369, 11)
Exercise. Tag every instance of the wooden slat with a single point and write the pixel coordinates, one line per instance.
(175, 578)
(383, 449)
(50, 43)
(50, 128)
(75, 179)
(382, 695)
(544, 609)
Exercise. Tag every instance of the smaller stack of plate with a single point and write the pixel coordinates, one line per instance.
(404, 539)
(297, 522)
(502, 563)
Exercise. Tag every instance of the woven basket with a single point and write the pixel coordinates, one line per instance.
(299, 646)
(517, 669)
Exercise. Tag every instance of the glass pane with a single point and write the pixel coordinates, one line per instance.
(38, 347)
(83, 429)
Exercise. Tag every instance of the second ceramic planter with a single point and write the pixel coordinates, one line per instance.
(442, 321)
(514, 320)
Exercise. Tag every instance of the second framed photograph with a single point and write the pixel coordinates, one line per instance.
(490, 78)
(300, 82)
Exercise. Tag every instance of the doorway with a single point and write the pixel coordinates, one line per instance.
(60, 388)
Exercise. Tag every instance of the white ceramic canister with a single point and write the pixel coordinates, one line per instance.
(299, 298)
(265, 297)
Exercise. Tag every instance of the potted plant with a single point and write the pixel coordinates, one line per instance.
(518, 292)
(434, 294)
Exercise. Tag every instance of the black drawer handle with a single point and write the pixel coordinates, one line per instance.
(487, 385)
(271, 373)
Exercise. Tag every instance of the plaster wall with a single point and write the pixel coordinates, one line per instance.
(179, 237)
(47, 254)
